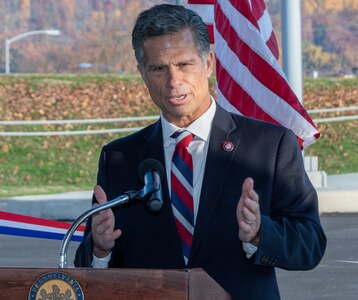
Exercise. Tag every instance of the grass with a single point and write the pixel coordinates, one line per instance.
(40, 165)
(336, 149)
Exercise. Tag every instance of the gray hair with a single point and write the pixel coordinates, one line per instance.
(166, 19)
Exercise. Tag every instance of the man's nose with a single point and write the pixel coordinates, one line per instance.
(175, 77)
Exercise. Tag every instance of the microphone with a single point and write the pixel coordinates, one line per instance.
(151, 172)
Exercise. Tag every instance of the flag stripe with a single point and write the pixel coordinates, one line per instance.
(250, 80)
(246, 108)
(200, 2)
(211, 32)
(253, 82)
(246, 31)
(264, 104)
(258, 16)
(260, 69)
(272, 45)
(205, 9)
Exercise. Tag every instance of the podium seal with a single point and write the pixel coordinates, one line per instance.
(55, 285)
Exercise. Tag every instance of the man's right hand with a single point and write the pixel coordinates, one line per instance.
(103, 233)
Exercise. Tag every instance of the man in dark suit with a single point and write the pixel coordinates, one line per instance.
(252, 205)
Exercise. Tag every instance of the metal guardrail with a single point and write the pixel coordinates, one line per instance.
(134, 119)
(334, 119)
(83, 121)
(334, 109)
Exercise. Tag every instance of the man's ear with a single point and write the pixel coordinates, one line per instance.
(210, 64)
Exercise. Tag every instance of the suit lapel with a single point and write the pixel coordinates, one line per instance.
(154, 139)
(218, 162)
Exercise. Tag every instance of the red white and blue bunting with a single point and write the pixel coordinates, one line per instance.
(20, 225)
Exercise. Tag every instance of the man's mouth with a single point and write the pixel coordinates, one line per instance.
(177, 97)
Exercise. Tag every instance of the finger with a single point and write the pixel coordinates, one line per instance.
(246, 232)
(100, 194)
(253, 195)
(248, 216)
(116, 234)
(112, 236)
(106, 242)
(248, 186)
(103, 227)
(252, 206)
(101, 217)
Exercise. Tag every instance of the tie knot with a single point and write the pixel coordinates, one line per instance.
(183, 138)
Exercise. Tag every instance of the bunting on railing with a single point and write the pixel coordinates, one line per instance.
(21, 225)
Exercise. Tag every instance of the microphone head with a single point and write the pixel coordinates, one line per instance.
(150, 164)
(155, 205)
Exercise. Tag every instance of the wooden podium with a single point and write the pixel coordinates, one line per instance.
(15, 283)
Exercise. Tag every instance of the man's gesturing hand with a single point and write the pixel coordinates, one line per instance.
(248, 213)
(103, 233)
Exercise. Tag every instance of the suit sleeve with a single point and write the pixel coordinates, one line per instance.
(84, 253)
(291, 237)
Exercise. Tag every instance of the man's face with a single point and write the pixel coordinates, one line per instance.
(176, 77)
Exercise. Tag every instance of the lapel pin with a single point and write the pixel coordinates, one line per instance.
(228, 146)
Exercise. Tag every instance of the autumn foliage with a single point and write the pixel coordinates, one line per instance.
(110, 96)
(98, 32)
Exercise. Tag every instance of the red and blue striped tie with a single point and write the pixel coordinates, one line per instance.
(182, 190)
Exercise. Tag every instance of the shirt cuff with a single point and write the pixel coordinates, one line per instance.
(249, 248)
(101, 262)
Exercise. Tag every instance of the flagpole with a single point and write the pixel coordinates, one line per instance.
(292, 67)
(292, 46)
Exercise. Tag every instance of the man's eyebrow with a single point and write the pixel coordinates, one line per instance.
(178, 62)
(186, 60)
(156, 65)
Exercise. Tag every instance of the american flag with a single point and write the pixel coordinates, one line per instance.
(250, 80)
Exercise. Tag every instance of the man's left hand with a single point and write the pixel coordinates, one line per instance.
(248, 214)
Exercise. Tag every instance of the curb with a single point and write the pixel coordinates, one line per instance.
(338, 201)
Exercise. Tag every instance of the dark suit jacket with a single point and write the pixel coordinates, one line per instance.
(291, 236)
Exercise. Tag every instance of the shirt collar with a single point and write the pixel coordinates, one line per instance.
(200, 127)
